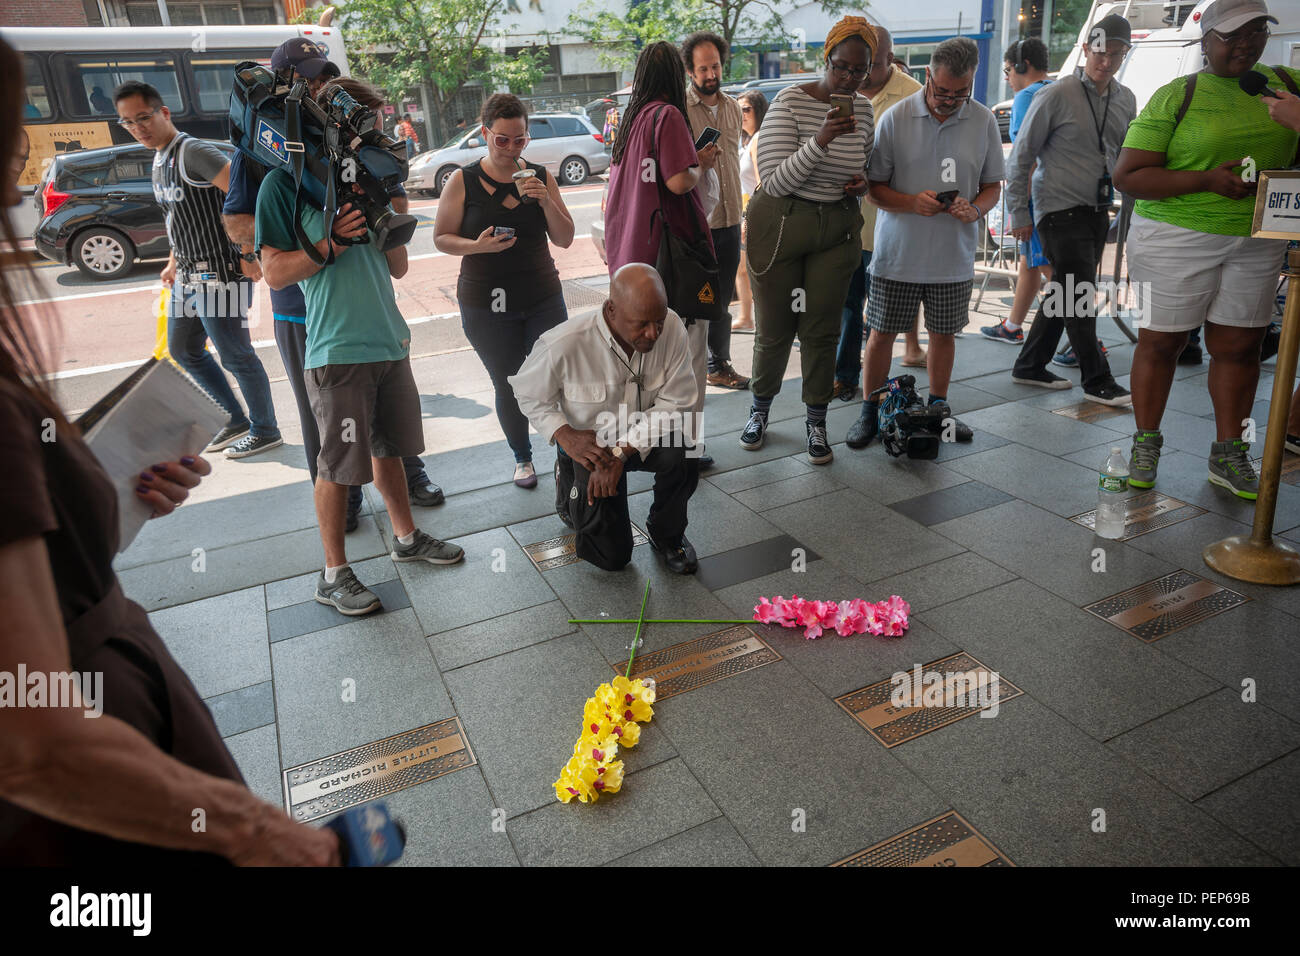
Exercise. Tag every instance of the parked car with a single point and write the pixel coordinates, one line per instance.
(598, 227)
(1002, 113)
(97, 210)
(567, 144)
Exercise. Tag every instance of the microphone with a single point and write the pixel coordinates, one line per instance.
(1256, 84)
(368, 836)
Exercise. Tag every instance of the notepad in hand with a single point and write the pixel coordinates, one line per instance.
(158, 414)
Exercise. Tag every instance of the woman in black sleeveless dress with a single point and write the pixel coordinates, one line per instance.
(509, 289)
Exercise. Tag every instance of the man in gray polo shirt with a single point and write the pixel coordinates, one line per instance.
(1074, 129)
(936, 171)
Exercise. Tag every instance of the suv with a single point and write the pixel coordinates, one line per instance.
(567, 144)
(97, 210)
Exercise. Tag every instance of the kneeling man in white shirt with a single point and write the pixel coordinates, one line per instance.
(614, 389)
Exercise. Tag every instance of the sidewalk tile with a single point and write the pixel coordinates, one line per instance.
(884, 479)
(1091, 673)
(500, 635)
(257, 755)
(716, 521)
(219, 642)
(788, 491)
(1061, 487)
(1032, 784)
(849, 528)
(450, 596)
(715, 843)
(1037, 428)
(1208, 743)
(248, 708)
(767, 743)
(245, 565)
(938, 506)
(290, 591)
(311, 615)
(448, 822)
(1260, 806)
(654, 804)
(764, 473)
(941, 582)
(751, 561)
(397, 687)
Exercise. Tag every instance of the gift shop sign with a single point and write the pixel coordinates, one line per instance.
(1277, 205)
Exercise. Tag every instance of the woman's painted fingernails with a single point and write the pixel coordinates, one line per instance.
(145, 476)
(159, 468)
(141, 490)
(187, 461)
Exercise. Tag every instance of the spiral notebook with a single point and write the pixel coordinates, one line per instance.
(156, 414)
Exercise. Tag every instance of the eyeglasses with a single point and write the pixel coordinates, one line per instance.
(1259, 34)
(503, 142)
(141, 120)
(845, 71)
(939, 94)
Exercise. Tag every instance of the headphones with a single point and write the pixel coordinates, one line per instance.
(1021, 65)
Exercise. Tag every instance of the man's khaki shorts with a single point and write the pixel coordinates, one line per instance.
(364, 410)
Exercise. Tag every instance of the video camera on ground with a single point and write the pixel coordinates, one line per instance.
(327, 149)
(907, 424)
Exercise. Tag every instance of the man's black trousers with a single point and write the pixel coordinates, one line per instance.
(1073, 241)
(604, 529)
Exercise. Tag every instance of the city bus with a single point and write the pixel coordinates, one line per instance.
(70, 75)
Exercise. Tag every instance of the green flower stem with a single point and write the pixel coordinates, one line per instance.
(637, 639)
(663, 620)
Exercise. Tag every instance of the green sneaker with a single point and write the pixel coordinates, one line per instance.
(1230, 468)
(427, 548)
(1144, 459)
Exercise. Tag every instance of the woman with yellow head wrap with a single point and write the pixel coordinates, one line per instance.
(803, 228)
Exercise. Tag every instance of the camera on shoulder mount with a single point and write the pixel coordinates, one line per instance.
(907, 424)
(329, 147)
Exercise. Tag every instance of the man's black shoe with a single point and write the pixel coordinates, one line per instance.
(350, 522)
(960, 431)
(706, 461)
(680, 559)
(427, 496)
(863, 431)
(1190, 355)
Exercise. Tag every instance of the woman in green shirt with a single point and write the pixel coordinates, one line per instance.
(1190, 161)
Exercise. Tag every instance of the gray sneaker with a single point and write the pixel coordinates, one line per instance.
(1144, 459)
(347, 595)
(1230, 468)
(427, 548)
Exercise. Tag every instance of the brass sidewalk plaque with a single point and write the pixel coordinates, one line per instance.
(942, 692)
(704, 660)
(944, 841)
(558, 552)
(1149, 511)
(373, 770)
(1167, 604)
(1290, 468)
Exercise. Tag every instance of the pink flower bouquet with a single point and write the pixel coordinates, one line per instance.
(846, 618)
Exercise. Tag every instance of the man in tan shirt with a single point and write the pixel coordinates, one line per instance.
(703, 55)
(886, 85)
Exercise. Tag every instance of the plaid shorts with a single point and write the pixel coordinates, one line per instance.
(893, 304)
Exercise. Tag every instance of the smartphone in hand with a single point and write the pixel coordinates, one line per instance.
(506, 231)
(843, 103)
(707, 138)
(946, 198)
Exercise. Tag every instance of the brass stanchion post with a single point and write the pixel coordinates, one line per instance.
(1256, 557)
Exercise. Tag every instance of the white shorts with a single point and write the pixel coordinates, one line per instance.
(1185, 278)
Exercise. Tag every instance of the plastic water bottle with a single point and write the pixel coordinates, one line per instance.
(1112, 485)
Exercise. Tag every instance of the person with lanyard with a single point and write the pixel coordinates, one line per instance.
(937, 170)
(805, 229)
(611, 389)
(1185, 161)
(508, 290)
(886, 85)
(1026, 71)
(1073, 131)
(301, 59)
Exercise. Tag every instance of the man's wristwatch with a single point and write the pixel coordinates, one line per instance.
(618, 453)
(248, 256)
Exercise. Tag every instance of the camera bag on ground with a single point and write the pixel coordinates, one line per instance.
(907, 424)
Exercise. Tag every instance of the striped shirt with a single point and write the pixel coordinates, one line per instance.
(182, 171)
(791, 163)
